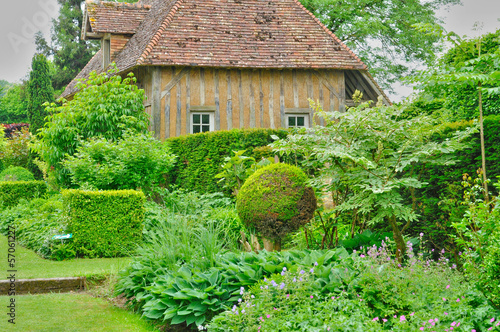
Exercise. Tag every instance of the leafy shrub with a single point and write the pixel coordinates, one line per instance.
(438, 202)
(137, 161)
(12, 128)
(275, 200)
(360, 293)
(16, 173)
(36, 222)
(200, 156)
(105, 106)
(11, 192)
(104, 223)
(16, 152)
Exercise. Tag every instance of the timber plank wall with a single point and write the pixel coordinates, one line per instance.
(239, 98)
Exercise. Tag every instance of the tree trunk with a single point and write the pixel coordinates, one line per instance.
(268, 244)
(277, 245)
(483, 152)
(398, 238)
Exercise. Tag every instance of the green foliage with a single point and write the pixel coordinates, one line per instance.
(36, 222)
(367, 155)
(136, 161)
(451, 88)
(16, 173)
(71, 53)
(106, 106)
(104, 223)
(200, 156)
(358, 293)
(478, 235)
(375, 32)
(275, 200)
(438, 201)
(11, 192)
(14, 104)
(16, 150)
(39, 89)
(238, 168)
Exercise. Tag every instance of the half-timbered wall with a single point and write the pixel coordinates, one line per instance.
(239, 98)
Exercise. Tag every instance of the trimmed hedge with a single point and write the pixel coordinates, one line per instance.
(11, 192)
(439, 201)
(200, 156)
(104, 223)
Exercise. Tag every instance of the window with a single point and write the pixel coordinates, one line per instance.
(297, 120)
(202, 122)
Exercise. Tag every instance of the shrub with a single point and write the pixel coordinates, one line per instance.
(16, 152)
(200, 156)
(106, 106)
(35, 223)
(104, 223)
(137, 161)
(11, 192)
(275, 200)
(438, 202)
(16, 173)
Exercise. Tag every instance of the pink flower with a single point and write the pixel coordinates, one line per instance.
(402, 318)
(492, 320)
(375, 319)
(446, 313)
(444, 299)
(453, 324)
(268, 316)
(448, 286)
(384, 320)
(312, 297)
(422, 328)
(412, 314)
(458, 300)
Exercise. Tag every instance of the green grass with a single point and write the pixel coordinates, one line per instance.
(69, 312)
(29, 265)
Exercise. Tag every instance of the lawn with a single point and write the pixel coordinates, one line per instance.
(69, 312)
(29, 265)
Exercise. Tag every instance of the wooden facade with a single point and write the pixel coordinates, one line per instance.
(239, 98)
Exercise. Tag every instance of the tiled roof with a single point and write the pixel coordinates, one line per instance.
(95, 64)
(116, 17)
(231, 33)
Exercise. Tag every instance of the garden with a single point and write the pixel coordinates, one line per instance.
(382, 219)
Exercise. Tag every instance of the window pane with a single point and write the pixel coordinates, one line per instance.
(196, 118)
(205, 128)
(300, 121)
(291, 121)
(205, 119)
(196, 129)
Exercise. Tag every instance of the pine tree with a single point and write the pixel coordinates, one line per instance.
(39, 91)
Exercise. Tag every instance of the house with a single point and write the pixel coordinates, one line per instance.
(221, 64)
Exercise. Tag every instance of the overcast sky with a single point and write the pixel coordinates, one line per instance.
(20, 19)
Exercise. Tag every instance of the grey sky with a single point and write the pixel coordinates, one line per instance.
(20, 19)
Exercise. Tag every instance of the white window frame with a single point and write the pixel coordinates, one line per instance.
(298, 112)
(202, 110)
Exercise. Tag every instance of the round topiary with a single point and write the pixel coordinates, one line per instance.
(16, 173)
(275, 200)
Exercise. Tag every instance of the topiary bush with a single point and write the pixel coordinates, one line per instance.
(104, 223)
(276, 200)
(16, 173)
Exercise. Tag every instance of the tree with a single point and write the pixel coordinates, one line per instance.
(466, 71)
(71, 53)
(105, 106)
(368, 154)
(40, 91)
(380, 32)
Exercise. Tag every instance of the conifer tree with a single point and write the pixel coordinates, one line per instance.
(39, 91)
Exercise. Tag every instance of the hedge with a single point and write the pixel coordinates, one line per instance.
(439, 201)
(104, 223)
(13, 191)
(200, 156)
